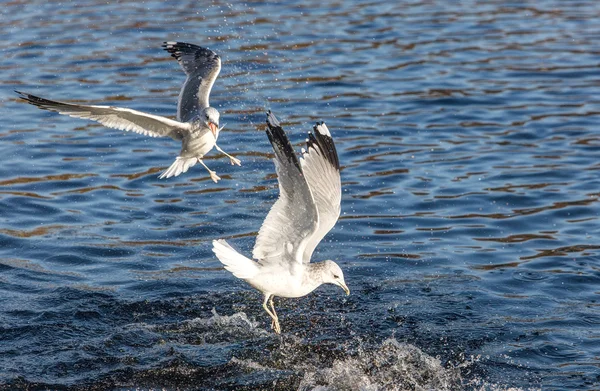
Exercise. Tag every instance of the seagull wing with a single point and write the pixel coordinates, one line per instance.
(321, 167)
(202, 66)
(115, 117)
(293, 218)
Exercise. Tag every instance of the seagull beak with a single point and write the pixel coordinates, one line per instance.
(344, 287)
(213, 128)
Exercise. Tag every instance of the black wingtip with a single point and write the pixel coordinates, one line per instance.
(272, 121)
(321, 137)
(42, 103)
(28, 97)
(280, 142)
(177, 49)
(173, 48)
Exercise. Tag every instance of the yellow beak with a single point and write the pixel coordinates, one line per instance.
(213, 128)
(345, 288)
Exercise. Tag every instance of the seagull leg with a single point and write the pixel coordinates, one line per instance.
(275, 321)
(213, 175)
(231, 158)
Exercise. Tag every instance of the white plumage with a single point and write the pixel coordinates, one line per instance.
(197, 125)
(307, 208)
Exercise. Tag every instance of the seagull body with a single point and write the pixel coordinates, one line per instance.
(307, 208)
(197, 124)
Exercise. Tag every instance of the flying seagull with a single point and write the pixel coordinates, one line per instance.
(307, 208)
(197, 124)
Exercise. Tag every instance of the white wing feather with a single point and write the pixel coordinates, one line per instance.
(202, 66)
(115, 117)
(293, 218)
(320, 165)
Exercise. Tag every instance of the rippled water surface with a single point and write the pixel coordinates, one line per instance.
(468, 136)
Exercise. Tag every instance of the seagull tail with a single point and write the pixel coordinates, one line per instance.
(236, 263)
(179, 166)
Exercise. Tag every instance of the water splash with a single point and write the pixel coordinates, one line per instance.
(394, 366)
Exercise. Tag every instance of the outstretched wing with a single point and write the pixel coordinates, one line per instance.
(321, 168)
(202, 66)
(293, 218)
(115, 117)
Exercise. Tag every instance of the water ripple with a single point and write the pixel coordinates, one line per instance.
(467, 137)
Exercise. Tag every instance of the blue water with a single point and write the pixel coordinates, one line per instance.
(468, 136)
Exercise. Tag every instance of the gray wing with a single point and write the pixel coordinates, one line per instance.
(293, 218)
(115, 117)
(202, 66)
(321, 168)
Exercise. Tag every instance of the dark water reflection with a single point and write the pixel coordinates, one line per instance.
(469, 229)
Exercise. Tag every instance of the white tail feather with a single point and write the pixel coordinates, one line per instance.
(236, 263)
(179, 166)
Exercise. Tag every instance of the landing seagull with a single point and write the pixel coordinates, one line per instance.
(197, 124)
(307, 208)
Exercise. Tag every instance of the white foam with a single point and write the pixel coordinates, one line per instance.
(394, 366)
(239, 319)
(391, 366)
(235, 325)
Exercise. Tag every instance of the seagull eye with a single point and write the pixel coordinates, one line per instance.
(336, 276)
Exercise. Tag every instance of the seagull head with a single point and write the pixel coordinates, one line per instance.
(210, 116)
(332, 274)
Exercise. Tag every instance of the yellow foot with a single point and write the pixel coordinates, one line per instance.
(235, 161)
(275, 326)
(214, 176)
